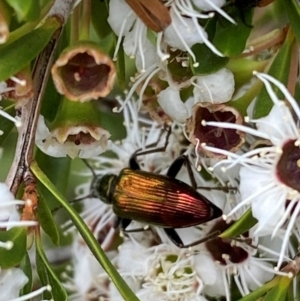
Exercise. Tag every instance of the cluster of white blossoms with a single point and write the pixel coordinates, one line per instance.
(241, 165)
(163, 271)
(241, 175)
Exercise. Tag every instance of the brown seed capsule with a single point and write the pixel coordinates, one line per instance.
(227, 139)
(83, 72)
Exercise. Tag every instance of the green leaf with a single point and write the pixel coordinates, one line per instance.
(293, 12)
(231, 38)
(26, 10)
(246, 222)
(113, 122)
(6, 125)
(46, 220)
(12, 257)
(20, 53)
(279, 292)
(99, 18)
(209, 61)
(47, 275)
(25, 266)
(88, 237)
(255, 295)
(57, 170)
(279, 69)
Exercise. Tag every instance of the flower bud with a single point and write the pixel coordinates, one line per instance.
(76, 131)
(83, 72)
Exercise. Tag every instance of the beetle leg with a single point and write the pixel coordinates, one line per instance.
(133, 164)
(122, 223)
(177, 165)
(89, 167)
(174, 237)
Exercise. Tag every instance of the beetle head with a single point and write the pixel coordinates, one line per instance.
(102, 187)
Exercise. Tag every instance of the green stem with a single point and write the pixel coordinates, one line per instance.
(85, 21)
(242, 103)
(87, 236)
(75, 19)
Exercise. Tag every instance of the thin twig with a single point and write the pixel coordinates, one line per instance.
(30, 112)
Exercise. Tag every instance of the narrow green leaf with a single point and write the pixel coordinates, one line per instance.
(293, 12)
(210, 62)
(26, 10)
(47, 275)
(6, 125)
(20, 53)
(46, 220)
(25, 266)
(279, 69)
(88, 237)
(12, 257)
(255, 295)
(246, 222)
(230, 39)
(279, 292)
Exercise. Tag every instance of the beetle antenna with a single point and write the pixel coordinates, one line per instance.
(225, 189)
(71, 202)
(88, 165)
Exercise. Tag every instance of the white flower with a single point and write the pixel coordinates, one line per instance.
(185, 31)
(166, 272)
(62, 142)
(271, 173)
(237, 259)
(124, 22)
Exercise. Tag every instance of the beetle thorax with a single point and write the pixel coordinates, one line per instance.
(102, 187)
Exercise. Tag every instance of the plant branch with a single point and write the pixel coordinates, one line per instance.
(30, 112)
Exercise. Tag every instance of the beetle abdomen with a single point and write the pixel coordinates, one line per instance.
(160, 200)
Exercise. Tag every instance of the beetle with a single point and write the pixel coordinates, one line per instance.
(155, 199)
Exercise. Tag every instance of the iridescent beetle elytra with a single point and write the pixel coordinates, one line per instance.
(155, 199)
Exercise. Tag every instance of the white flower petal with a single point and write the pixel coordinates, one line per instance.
(206, 268)
(169, 100)
(184, 28)
(257, 273)
(205, 6)
(264, 208)
(278, 124)
(11, 282)
(215, 88)
(119, 12)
